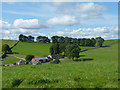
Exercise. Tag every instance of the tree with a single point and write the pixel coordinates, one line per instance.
(54, 49)
(43, 39)
(30, 38)
(68, 40)
(82, 42)
(99, 41)
(54, 39)
(51, 50)
(93, 42)
(72, 51)
(21, 38)
(6, 48)
(62, 47)
(29, 57)
(61, 39)
(75, 53)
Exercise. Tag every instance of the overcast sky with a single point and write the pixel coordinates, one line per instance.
(78, 20)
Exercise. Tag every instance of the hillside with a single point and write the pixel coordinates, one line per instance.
(29, 48)
(99, 70)
(40, 48)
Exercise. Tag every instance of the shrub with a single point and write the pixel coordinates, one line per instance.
(29, 57)
(57, 61)
(6, 48)
(27, 62)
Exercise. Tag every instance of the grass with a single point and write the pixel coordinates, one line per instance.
(38, 48)
(30, 48)
(10, 60)
(109, 42)
(100, 70)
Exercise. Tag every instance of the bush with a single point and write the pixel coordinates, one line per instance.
(57, 61)
(27, 62)
(29, 57)
(6, 48)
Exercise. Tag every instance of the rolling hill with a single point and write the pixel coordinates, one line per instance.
(37, 48)
(98, 70)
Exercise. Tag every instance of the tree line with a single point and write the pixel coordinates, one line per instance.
(30, 38)
(60, 39)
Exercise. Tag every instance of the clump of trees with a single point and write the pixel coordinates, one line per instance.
(69, 40)
(58, 48)
(72, 51)
(43, 39)
(71, 46)
(99, 41)
(29, 57)
(30, 38)
(24, 38)
(6, 49)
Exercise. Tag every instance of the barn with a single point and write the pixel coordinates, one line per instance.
(42, 60)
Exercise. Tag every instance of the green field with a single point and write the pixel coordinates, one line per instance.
(29, 48)
(37, 48)
(99, 70)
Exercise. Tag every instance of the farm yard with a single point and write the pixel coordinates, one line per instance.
(99, 68)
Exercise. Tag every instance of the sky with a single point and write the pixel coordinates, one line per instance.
(72, 19)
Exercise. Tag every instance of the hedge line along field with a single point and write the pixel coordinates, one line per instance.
(98, 70)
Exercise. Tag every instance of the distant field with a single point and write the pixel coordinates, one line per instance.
(109, 42)
(100, 70)
(29, 48)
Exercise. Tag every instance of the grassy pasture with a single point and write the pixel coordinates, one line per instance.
(38, 48)
(29, 48)
(10, 60)
(99, 70)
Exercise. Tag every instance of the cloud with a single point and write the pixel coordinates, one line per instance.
(105, 32)
(20, 26)
(84, 10)
(4, 24)
(63, 21)
(29, 24)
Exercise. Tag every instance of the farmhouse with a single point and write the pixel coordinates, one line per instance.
(39, 60)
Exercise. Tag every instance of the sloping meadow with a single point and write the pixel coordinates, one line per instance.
(99, 69)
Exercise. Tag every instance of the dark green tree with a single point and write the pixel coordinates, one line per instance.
(93, 42)
(54, 49)
(6, 48)
(30, 38)
(72, 51)
(55, 39)
(62, 47)
(82, 43)
(21, 37)
(29, 57)
(99, 41)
